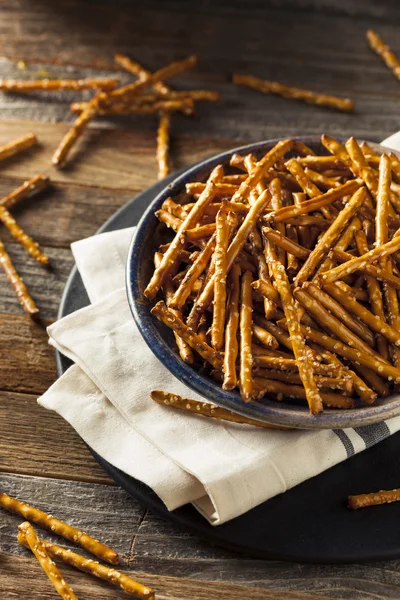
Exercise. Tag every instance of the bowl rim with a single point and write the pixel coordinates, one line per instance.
(267, 410)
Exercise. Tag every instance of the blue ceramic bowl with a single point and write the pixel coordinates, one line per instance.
(159, 338)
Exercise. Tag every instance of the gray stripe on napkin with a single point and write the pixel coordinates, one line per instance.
(346, 441)
(372, 434)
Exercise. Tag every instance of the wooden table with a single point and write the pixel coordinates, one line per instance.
(42, 460)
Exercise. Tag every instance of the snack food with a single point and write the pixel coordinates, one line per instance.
(373, 499)
(295, 259)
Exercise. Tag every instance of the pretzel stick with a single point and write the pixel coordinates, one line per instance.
(373, 499)
(329, 322)
(23, 238)
(338, 311)
(133, 89)
(278, 151)
(282, 285)
(302, 149)
(270, 386)
(170, 255)
(17, 283)
(355, 263)
(206, 409)
(198, 266)
(292, 93)
(389, 58)
(18, 145)
(185, 352)
(284, 242)
(231, 342)
(11, 85)
(262, 269)
(264, 337)
(27, 189)
(60, 528)
(330, 236)
(290, 364)
(294, 167)
(249, 223)
(174, 208)
(292, 261)
(168, 317)
(322, 163)
(374, 322)
(372, 270)
(32, 542)
(333, 383)
(220, 256)
(321, 180)
(222, 189)
(316, 203)
(61, 154)
(93, 568)
(246, 356)
(136, 69)
(267, 290)
(163, 135)
(275, 187)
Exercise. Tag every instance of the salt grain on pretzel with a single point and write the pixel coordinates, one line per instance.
(60, 528)
(18, 145)
(126, 583)
(17, 283)
(279, 89)
(48, 566)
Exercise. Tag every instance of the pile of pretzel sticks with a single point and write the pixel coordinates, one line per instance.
(45, 551)
(148, 95)
(282, 276)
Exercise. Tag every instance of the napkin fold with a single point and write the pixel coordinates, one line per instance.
(224, 469)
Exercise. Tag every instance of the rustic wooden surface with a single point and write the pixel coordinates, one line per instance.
(318, 43)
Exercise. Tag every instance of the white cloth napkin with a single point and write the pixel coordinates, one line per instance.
(224, 469)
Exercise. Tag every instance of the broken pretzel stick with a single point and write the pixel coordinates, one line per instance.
(17, 283)
(135, 68)
(60, 528)
(206, 409)
(16, 146)
(23, 238)
(373, 499)
(292, 93)
(92, 567)
(38, 549)
(264, 337)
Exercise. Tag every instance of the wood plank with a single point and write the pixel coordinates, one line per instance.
(30, 364)
(23, 573)
(36, 441)
(103, 511)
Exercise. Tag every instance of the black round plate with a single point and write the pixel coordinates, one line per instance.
(309, 523)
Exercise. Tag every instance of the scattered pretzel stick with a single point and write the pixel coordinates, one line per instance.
(92, 567)
(27, 189)
(135, 68)
(17, 283)
(19, 145)
(373, 499)
(206, 409)
(377, 45)
(163, 134)
(61, 154)
(11, 85)
(231, 343)
(279, 89)
(23, 238)
(60, 528)
(38, 549)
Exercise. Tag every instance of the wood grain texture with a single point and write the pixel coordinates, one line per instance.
(33, 441)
